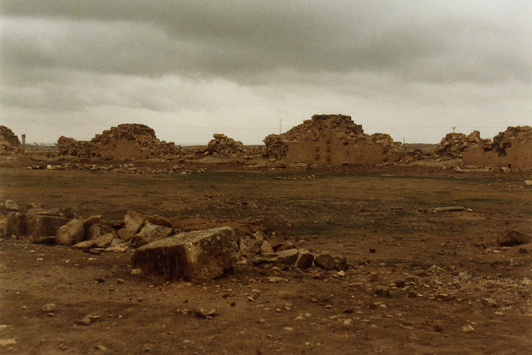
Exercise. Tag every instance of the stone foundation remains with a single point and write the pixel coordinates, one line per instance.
(332, 140)
(126, 141)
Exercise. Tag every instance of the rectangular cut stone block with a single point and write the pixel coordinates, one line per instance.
(195, 256)
(43, 225)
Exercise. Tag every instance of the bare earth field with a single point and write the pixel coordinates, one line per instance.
(419, 282)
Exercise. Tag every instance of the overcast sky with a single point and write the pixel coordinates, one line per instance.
(246, 68)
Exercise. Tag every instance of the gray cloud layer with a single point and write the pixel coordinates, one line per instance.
(419, 40)
(61, 55)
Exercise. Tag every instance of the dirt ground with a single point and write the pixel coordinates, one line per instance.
(419, 283)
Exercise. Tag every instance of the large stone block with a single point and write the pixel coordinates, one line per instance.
(16, 224)
(71, 233)
(195, 256)
(43, 225)
(150, 233)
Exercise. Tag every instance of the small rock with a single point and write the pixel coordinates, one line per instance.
(512, 237)
(5, 342)
(49, 307)
(438, 328)
(400, 283)
(325, 262)
(205, 313)
(467, 328)
(84, 321)
(489, 302)
(374, 276)
(382, 291)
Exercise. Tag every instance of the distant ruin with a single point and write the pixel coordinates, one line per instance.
(509, 149)
(126, 141)
(332, 140)
(9, 142)
(322, 140)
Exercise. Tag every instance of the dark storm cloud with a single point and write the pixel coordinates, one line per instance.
(415, 40)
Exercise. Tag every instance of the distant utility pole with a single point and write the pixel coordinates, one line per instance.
(280, 124)
(454, 128)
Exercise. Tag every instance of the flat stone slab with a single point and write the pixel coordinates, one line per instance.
(449, 209)
(196, 256)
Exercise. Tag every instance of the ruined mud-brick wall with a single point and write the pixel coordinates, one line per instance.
(9, 142)
(223, 146)
(511, 149)
(126, 141)
(332, 140)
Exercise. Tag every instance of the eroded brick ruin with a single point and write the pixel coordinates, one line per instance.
(9, 142)
(332, 140)
(322, 140)
(126, 141)
(509, 149)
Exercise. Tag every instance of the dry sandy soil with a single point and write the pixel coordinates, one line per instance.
(419, 282)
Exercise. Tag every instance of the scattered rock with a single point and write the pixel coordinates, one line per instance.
(325, 262)
(84, 321)
(512, 237)
(205, 313)
(6, 342)
(150, 233)
(489, 302)
(467, 328)
(11, 205)
(133, 221)
(449, 209)
(305, 259)
(84, 245)
(49, 307)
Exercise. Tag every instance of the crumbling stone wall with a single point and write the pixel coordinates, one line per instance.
(224, 146)
(511, 149)
(126, 141)
(9, 142)
(332, 140)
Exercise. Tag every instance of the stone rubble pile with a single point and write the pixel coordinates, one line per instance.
(314, 130)
(128, 140)
(9, 142)
(121, 168)
(223, 146)
(160, 248)
(454, 144)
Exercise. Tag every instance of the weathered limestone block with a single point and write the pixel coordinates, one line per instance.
(104, 241)
(84, 245)
(11, 205)
(195, 256)
(249, 246)
(325, 262)
(97, 230)
(305, 259)
(158, 220)
(133, 221)
(266, 248)
(71, 233)
(16, 224)
(150, 233)
(42, 225)
(92, 220)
